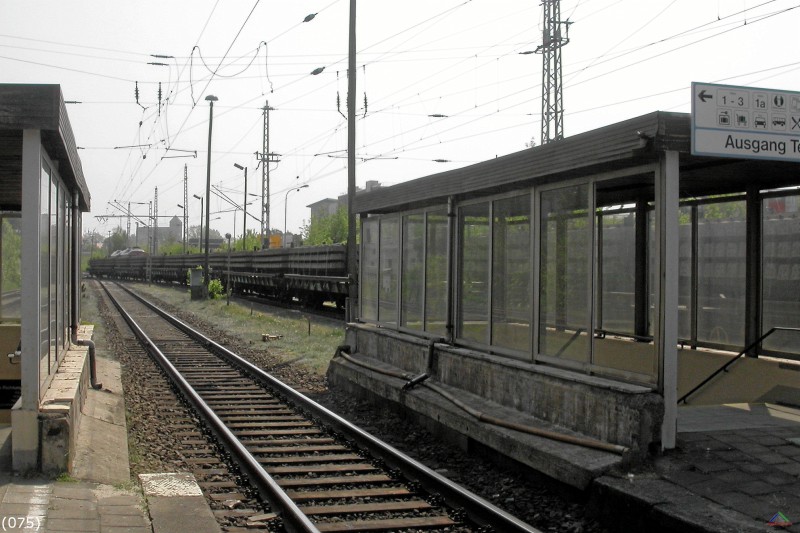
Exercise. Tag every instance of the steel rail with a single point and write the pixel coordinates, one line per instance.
(479, 510)
(294, 519)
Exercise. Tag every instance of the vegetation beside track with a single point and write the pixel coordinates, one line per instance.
(305, 340)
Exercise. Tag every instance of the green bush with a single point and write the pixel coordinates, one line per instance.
(215, 288)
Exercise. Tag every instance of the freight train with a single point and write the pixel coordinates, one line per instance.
(311, 275)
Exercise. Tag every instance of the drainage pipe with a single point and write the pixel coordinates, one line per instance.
(481, 416)
(75, 297)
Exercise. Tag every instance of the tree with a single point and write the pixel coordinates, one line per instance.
(170, 248)
(329, 229)
(252, 241)
(116, 241)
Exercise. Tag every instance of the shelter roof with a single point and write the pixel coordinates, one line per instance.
(636, 142)
(42, 107)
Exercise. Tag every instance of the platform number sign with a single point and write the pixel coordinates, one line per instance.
(745, 122)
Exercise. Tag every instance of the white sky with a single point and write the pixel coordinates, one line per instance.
(416, 58)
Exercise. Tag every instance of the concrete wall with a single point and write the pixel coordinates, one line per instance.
(599, 408)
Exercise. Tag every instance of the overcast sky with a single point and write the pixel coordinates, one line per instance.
(461, 59)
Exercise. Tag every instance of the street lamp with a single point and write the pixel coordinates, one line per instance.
(285, 210)
(185, 229)
(206, 274)
(244, 207)
(200, 236)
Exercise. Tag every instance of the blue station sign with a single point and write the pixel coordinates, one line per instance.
(745, 122)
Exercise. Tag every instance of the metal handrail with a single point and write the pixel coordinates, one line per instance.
(724, 368)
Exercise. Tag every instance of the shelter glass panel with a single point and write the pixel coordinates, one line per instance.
(511, 273)
(616, 228)
(10, 268)
(61, 285)
(369, 268)
(473, 318)
(44, 271)
(625, 262)
(436, 251)
(721, 265)
(389, 273)
(55, 298)
(685, 262)
(564, 273)
(67, 258)
(413, 280)
(781, 273)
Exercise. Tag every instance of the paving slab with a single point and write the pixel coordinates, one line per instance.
(177, 504)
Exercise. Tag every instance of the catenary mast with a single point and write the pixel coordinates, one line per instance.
(552, 94)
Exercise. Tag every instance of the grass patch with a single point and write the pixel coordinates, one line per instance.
(309, 340)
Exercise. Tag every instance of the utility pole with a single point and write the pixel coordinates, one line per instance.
(552, 95)
(352, 264)
(150, 242)
(266, 157)
(128, 230)
(155, 222)
(185, 207)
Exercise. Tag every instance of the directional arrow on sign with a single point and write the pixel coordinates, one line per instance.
(704, 96)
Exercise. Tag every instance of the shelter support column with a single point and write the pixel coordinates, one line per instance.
(667, 204)
(753, 310)
(24, 416)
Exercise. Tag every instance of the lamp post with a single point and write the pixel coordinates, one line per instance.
(200, 236)
(206, 275)
(244, 207)
(228, 284)
(183, 237)
(285, 209)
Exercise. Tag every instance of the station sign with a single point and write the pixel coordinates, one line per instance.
(745, 122)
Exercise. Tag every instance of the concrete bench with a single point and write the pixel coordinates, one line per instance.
(61, 407)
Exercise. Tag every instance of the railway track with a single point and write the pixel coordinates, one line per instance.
(316, 471)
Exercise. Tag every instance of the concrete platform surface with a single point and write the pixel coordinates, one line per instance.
(736, 469)
(99, 495)
(44, 505)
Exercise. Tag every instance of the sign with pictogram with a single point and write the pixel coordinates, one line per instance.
(745, 122)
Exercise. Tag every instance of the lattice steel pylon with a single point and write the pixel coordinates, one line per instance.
(552, 96)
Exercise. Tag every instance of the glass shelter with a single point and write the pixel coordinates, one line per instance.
(614, 253)
(42, 193)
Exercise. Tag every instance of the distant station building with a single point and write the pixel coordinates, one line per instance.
(329, 206)
(580, 288)
(165, 234)
(43, 363)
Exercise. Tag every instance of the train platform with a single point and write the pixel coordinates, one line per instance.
(99, 496)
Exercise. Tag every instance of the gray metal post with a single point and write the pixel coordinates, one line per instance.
(351, 165)
(206, 278)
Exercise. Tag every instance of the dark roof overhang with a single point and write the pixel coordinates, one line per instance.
(41, 107)
(635, 143)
